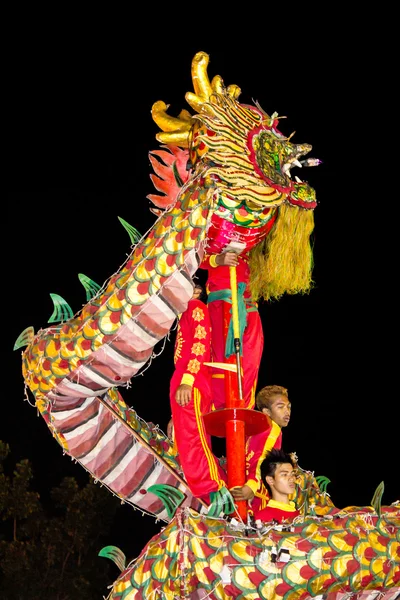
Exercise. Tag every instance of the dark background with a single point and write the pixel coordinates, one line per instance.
(77, 159)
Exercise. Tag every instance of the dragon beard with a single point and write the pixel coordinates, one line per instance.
(283, 261)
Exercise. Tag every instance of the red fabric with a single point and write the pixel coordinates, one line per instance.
(270, 513)
(253, 337)
(219, 277)
(257, 448)
(192, 348)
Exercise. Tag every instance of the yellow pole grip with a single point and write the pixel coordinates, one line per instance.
(235, 310)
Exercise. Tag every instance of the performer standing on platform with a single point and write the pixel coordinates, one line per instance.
(252, 342)
(191, 398)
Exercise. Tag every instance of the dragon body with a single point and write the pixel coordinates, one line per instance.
(335, 555)
(224, 176)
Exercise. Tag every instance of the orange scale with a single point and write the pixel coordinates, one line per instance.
(142, 273)
(196, 233)
(143, 288)
(53, 348)
(115, 317)
(91, 330)
(188, 240)
(114, 303)
(60, 368)
(46, 365)
(107, 325)
(243, 211)
(167, 220)
(171, 260)
(150, 264)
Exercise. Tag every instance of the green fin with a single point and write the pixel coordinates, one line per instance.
(322, 482)
(114, 554)
(24, 338)
(171, 497)
(133, 233)
(176, 175)
(221, 502)
(377, 498)
(62, 310)
(90, 286)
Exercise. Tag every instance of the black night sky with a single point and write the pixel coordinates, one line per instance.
(81, 130)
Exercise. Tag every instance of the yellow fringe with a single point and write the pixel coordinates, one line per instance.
(283, 262)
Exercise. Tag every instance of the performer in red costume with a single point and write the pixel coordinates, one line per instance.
(273, 401)
(252, 342)
(279, 478)
(190, 397)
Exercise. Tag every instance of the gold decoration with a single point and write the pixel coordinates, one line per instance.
(200, 332)
(198, 349)
(198, 314)
(194, 366)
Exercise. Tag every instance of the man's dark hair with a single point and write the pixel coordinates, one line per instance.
(271, 461)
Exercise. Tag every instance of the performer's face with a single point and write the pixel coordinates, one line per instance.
(284, 480)
(279, 410)
(197, 293)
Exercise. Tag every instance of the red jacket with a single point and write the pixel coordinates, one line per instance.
(277, 511)
(193, 348)
(257, 448)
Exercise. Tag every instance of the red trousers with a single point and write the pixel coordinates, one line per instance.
(200, 467)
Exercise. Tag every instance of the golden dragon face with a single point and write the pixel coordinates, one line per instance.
(238, 145)
(273, 156)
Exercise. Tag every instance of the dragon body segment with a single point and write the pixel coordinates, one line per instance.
(114, 334)
(329, 553)
(72, 367)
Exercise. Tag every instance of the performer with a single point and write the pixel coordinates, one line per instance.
(278, 475)
(190, 398)
(272, 400)
(252, 342)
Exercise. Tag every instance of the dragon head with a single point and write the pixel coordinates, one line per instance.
(242, 163)
(239, 145)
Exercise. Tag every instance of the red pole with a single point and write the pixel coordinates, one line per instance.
(234, 428)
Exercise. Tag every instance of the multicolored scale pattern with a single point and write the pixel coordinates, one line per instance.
(70, 366)
(347, 552)
(114, 334)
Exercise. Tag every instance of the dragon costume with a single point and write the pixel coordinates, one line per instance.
(224, 176)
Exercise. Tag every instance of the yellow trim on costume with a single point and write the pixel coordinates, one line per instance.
(291, 507)
(253, 485)
(212, 466)
(272, 437)
(252, 401)
(218, 376)
(213, 260)
(187, 379)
